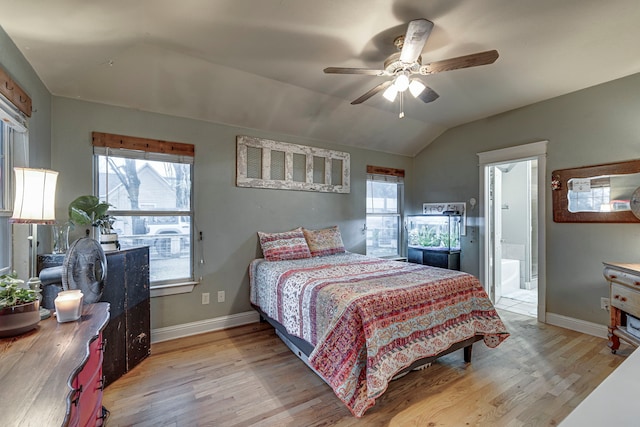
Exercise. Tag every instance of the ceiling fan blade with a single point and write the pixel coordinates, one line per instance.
(428, 95)
(414, 40)
(367, 71)
(382, 86)
(473, 60)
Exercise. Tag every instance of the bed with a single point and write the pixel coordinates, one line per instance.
(360, 321)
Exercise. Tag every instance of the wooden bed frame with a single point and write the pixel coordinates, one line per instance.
(303, 349)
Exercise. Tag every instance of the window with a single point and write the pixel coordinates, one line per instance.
(13, 137)
(597, 199)
(150, 194)
(385, 194)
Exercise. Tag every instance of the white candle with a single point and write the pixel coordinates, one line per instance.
(68, 305)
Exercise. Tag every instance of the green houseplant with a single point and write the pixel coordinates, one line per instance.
(19, 306)
(89, 210)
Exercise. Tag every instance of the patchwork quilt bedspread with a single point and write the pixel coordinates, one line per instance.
(369, 318)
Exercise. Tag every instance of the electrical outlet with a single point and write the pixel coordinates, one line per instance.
(205, 298)
(604, 303)
(220, 296)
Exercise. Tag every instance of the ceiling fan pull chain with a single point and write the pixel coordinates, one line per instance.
(401, 115)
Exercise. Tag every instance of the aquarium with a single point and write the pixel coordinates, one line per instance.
(434, 232)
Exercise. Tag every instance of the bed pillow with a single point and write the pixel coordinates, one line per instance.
(284, 246)
(326, 241)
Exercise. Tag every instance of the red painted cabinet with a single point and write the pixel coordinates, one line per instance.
(86, 399)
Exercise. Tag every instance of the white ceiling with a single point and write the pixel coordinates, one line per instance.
(258, 63)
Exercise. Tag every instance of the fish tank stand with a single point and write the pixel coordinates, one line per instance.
(434, 240)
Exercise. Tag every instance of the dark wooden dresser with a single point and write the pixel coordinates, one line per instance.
(126, 288)
(52, 376)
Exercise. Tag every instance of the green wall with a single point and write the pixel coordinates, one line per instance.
(591, 126)
(40, 123)
(12, 61)
(595, 125)
(228, 216)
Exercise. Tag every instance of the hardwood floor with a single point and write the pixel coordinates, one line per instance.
(246, 376)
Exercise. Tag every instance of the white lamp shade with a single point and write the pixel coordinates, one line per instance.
(35, 196)
(416, 87)
(402, 82)
(391, 93)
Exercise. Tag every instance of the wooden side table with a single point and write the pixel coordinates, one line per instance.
(624, 298)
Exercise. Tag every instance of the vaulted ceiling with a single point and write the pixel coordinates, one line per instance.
(258, 64)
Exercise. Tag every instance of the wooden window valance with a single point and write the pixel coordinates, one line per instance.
(110, 140)
(14, 93)
(381, 170)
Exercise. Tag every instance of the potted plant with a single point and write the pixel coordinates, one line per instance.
(19, 306)
(108, 237)
(89, 210)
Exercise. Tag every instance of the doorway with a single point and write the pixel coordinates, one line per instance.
(512, 239)
(514, 221)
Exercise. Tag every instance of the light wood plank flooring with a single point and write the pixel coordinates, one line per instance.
(246, 376)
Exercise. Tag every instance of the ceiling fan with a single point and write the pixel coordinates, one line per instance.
(401, 65)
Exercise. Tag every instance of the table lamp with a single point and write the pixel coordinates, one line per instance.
(34, 204)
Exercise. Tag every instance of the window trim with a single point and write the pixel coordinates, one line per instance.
(7, 166)
(15, 140)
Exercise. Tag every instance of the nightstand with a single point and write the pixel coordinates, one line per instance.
(624, 298)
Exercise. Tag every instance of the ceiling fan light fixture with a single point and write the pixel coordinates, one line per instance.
(391, 93)
(402, 65)
(402, 82)
(416, 87)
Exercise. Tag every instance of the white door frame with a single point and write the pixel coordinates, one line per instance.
(534, 150)
(494, 217)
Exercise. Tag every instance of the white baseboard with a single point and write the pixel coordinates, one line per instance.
(202, 326)
(577, 325)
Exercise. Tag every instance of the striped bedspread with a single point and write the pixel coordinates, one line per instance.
(369, 318)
